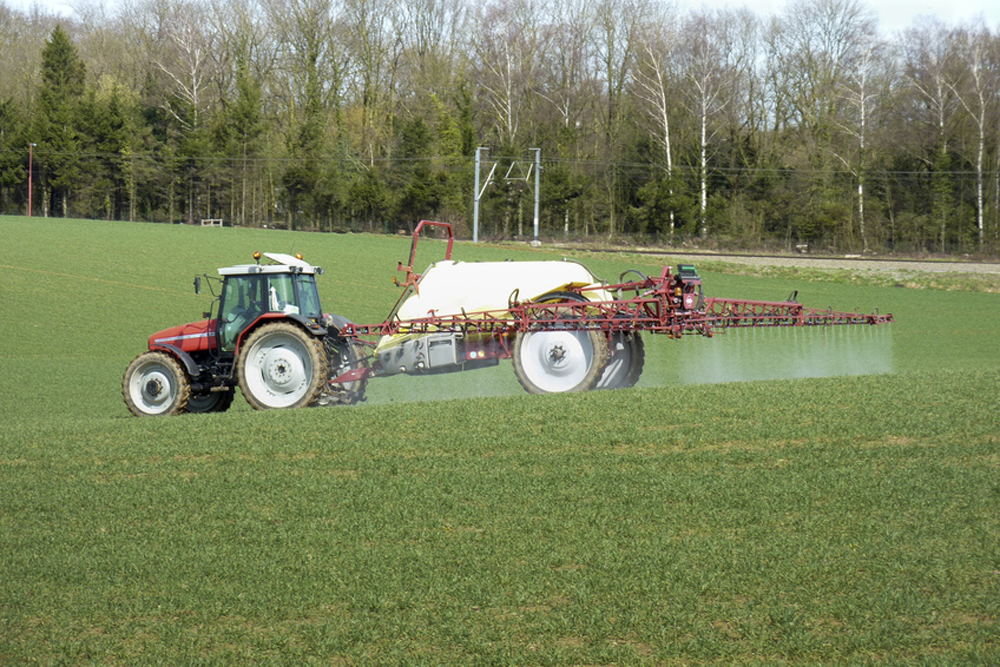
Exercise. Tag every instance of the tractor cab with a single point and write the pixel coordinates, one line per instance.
(249, 291)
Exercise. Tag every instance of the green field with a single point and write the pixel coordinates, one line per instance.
(762, 497)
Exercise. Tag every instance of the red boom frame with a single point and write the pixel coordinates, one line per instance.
(669, 304)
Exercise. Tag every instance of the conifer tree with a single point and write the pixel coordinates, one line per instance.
(57, 123)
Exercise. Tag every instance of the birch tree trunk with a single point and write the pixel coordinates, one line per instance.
(653, 84)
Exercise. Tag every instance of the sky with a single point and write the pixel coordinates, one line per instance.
(894, 15)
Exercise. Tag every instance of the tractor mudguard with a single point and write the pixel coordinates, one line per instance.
(190, 365)
(309, 325)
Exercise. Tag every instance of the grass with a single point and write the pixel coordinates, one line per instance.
(910, 279)
(820, 520)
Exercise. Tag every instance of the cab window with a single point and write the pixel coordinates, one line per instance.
(308, 296)
(281, 294)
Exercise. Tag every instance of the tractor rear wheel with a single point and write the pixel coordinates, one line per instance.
(154, 385)
(628, 355)
(281, 366)
(560, 359)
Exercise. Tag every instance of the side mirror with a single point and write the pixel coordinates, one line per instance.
(197, 284)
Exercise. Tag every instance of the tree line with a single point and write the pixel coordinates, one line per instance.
(723, 128)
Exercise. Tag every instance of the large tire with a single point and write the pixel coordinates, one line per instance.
(559, 360)
(343, 354)
(628, 356)
(281, 366)
(155, 385)
(215, 401)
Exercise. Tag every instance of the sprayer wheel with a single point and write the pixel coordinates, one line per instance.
(561, 359)
(628, 356)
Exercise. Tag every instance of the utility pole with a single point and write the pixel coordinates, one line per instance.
(31, 160)
(509, 177)
(538, 171)
(478, 195)
(475, 202)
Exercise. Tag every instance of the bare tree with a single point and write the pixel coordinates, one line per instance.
(564, 80)
(22, 37)
(616, 38)
(186, 54)
(711, 66)
(372, 35)
(507, 50)
(977, 95)
(311, 70)
(744, 121)
(104, 44)
(815, 44)
(436, 35)
(931, 67)
(864, 91)
(655, 81)
(309, 64)
(567, 84)
(249, 52)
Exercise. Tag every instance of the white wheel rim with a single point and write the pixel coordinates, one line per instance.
(152, 387)
(556, 361)
(278, 370)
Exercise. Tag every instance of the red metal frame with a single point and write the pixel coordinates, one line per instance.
(654, 305)
(411, 276)
(739, 313)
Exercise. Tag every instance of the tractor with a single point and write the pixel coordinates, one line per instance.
(269, 337)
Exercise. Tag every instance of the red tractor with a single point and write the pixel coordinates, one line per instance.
(269, 337)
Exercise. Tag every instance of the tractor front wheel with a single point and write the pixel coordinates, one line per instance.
(154, 385)
(281, 366)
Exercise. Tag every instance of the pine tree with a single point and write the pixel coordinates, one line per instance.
(13, 155)
(238, 135)
(57, 121)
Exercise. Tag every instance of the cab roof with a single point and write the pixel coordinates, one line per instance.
(282, 263)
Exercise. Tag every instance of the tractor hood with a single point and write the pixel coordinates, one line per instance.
(193, 337)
